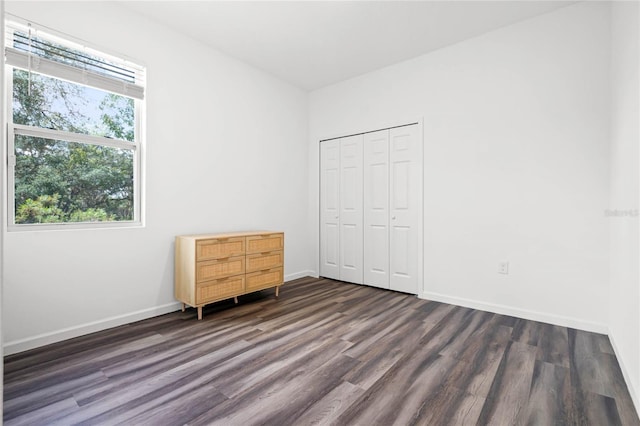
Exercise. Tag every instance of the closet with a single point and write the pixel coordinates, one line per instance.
(371, 208)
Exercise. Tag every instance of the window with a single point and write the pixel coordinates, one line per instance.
(74, 132)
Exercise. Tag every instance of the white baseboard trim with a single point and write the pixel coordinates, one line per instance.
(635, 393)
(21, 345)
(296, 275)
(520, 313)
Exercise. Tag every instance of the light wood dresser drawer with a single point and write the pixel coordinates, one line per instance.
(213, 267)
(264, 243)
(220, 289)
(220, 268)
(217, 248)
(264, 279)
(260, 261)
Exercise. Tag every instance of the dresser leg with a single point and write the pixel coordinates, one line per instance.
(235, 299)
(199, 312)
(182, 307)
(277, 291)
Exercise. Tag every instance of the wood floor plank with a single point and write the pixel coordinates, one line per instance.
(363, 342)
(380, 358)
(281, 400)
(44, 414)
(509, 392)
(326, 411)
(398, 397)
(266, 369)
(527, 332)
(550, 400)
(324, 352)
(52, 374)
(171, 408)
(477, 320)
(596, 409)
(137, 376)
(604, 344)
(185, 348)
(55, 353)
(434, 312)
(50, 395)
(447, 406)
(588, 374)
(480, 360)
(553, 344)
(182, 379)
(615, 379)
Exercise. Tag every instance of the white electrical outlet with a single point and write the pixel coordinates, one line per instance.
(503, 267)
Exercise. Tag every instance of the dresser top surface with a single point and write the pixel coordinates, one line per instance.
(227, 235)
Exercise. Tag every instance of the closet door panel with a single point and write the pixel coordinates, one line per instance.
(351, 216)
(376, 209)
(330, 209)
(405, 155)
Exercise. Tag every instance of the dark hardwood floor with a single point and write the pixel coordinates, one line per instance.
(325, 352)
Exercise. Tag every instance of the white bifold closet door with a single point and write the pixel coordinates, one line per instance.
(405, 209)
(341, 218)
(393, 208)
(371, 209)
(376, 209)
(329, 209)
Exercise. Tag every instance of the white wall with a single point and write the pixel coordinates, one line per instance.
(226, 150)
(2, 144)
(516, 162)
(624, 298)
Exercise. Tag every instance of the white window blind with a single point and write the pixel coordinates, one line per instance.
(35, 49)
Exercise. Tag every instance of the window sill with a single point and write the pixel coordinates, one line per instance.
(38, 227)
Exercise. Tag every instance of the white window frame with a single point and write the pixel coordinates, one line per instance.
(137, 146)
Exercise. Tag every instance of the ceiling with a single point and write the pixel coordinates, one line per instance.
(312, 44)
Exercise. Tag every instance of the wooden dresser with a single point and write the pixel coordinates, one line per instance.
(213, 267)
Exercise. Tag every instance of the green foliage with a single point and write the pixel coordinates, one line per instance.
(58, 181)
(90, 215)
(45, 209)
(120, 120)
(36, 108)
(42, 210)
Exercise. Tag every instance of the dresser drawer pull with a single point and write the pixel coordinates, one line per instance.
(222, 239)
